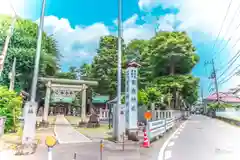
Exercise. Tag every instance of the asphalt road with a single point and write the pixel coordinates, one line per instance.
(203, 138)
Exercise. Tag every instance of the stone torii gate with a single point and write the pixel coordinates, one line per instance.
(68, 87)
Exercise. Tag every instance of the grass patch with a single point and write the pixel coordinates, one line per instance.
(232, 121)
(52, 119)
(74, 120)
(99, 132)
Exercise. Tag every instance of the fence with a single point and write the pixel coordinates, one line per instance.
(159, 127)
(234, 115)
(156, 114)
(103, 114)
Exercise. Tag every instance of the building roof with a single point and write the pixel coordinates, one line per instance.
(224, 97)
(100, 99)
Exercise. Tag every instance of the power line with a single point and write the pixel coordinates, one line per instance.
(222, 25)
(226, 80)
(238, 40)
(235, 14)
(230, 64)
(231, 74)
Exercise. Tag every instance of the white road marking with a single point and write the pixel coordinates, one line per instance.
(168, 154)
(161, 153)
(170, 144)
(178, 132)
(175, 137)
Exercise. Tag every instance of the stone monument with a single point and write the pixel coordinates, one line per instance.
(131, 100)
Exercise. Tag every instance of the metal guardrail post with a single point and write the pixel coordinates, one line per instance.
(101, 149)
(123, 144)
(49, 153)
(75, 156)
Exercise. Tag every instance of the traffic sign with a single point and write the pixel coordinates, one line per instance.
(50, 141)
(147, 115)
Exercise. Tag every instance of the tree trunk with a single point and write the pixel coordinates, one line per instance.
(172, 67)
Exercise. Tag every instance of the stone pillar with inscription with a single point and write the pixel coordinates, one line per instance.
(131, 99)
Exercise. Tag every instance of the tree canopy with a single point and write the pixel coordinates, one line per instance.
(166, 62)
(23, 45)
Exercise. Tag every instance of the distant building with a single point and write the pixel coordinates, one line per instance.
(100, 101)
(224, 97)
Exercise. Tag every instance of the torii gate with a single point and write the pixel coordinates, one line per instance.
(61, 86)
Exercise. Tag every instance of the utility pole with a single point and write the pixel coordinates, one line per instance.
(30, 107)
(202, 94)
(156, 26)
(214, 77)
(12, 75)
(119, 74)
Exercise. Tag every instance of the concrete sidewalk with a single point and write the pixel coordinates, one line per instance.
(66, 134)
(91, 150)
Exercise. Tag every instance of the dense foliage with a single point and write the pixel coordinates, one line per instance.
(11, 108)
(166, 62)
(23, 46)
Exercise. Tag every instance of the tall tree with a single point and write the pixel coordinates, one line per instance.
(85, 71)
(172, 53)
(23, 46)
(139, 49)
(104, 66)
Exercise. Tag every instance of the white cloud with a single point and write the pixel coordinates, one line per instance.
(132, 30)
(21, 7)
(206, 16)
(77, 44)
(148, 4)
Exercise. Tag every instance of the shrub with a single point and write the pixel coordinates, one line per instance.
(10, 107)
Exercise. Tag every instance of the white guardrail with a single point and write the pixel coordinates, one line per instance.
(157, 128)
(235, 115)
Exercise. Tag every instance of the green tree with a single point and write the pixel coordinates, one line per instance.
(139, 49)
(172, 53)
(178, 87)
(23, 45)
(11, 107)
(104, 66)
(85, 71)
(65, 75)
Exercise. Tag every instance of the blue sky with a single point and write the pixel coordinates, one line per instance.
(78, 24)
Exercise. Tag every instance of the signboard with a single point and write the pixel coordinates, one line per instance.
(62, 99)
(147, 115)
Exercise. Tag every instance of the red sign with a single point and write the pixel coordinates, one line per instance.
(147, 115)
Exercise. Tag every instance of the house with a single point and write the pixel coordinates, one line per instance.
(224, 97)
